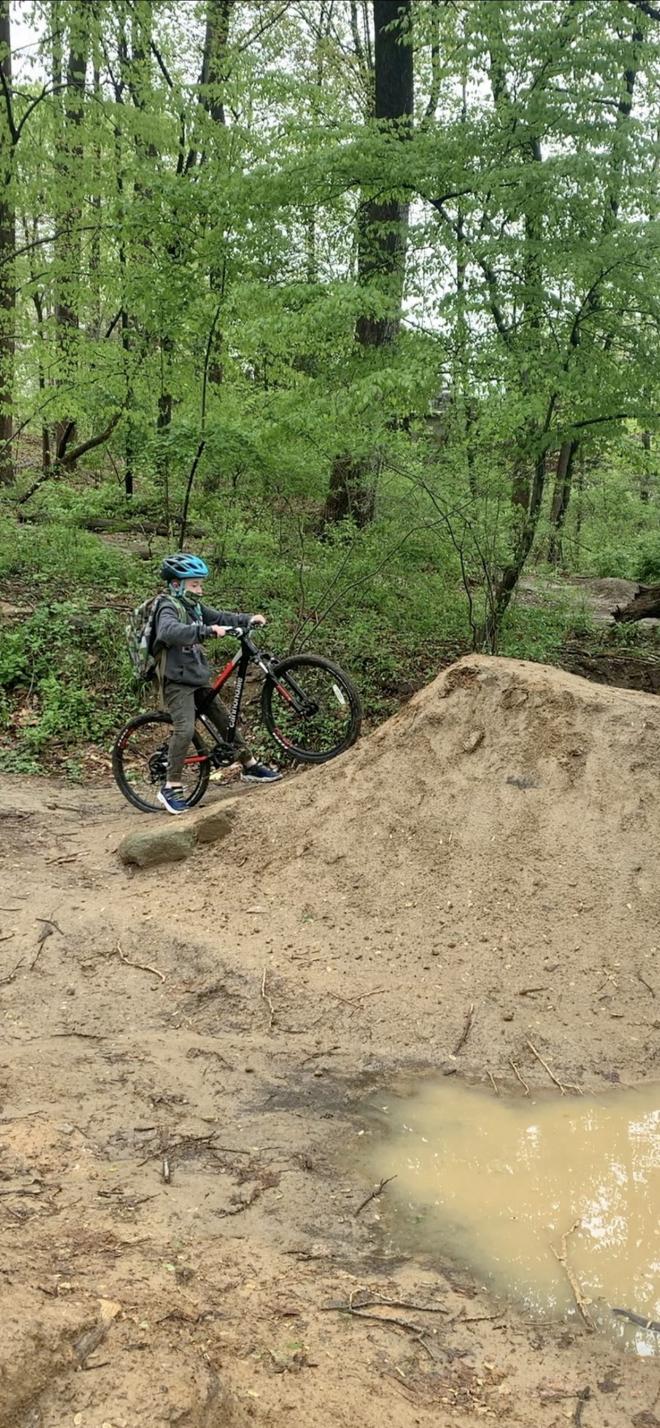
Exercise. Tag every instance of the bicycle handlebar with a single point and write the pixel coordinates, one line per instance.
(239, 632)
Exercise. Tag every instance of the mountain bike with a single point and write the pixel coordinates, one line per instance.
(308, 705)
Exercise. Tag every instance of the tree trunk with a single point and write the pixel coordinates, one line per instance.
(647, 477)
(163, 424)
(560, 499)
(382, 239)
(41, 345)
(214, 61)
(500, 597)
(7, 251)
(68, 248)
(215, 68)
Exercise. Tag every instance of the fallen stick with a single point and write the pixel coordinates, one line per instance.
(47, 931)
(371, 1302)
(521, 1079)
(265, 997)
(10, 976)
(651, 1324)
(90, 1340)
(467, 1027)
(559, 1084)
(139, 966)
(493, 1082)
(561, 1256)
(417, 1330)
(374, 1194)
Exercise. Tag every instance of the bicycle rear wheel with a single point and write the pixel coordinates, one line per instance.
(139, 763)
(311, 708)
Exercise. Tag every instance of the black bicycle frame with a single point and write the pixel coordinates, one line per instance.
(247, 654)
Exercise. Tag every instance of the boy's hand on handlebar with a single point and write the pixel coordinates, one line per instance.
(221, 630)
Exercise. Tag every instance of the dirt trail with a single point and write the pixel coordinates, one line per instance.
(179, 1139)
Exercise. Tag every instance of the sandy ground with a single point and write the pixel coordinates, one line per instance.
(187, 1052)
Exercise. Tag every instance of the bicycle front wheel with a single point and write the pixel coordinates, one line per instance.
(139, 763)
(311, 708)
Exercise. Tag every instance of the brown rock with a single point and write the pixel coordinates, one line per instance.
(162, 845)
(213, 826)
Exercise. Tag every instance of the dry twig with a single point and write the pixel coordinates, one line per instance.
(561, 1255)
(521, 1079)
(373, 1301)
(139, 966)
(493, 1082)
(374, 1193)
(417, 1330)
(47, 930)
(467, 1027)
(267, 1000)
(10, 975)
(361, 996)
(569, 1086)
(646, 984)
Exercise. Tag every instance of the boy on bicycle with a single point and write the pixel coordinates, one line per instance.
(181, 624)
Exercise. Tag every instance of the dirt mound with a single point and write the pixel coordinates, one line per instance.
(496, 764)
(506, 819)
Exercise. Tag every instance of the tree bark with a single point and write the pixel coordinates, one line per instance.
(67, 319)
(382, 239)
(560, 499)
(213, 78)
(647, 477)
(7, 251)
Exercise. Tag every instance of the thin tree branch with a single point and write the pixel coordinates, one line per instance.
(202, 422)
(47, 90)
(91, 443)
(267, 25)
(646, 9)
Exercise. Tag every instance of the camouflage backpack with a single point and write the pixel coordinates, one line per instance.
(140, 628)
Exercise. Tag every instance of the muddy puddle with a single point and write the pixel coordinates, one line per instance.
(545, 1201)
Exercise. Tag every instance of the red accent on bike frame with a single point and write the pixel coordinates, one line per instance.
(225, 673)
(197, 759)
(287, 742)
(281, 690)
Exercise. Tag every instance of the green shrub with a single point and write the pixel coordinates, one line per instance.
(647, 561)
(57, 556)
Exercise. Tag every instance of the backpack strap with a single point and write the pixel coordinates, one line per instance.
(161, 656)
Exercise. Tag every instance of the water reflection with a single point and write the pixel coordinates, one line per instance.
(497, 1182)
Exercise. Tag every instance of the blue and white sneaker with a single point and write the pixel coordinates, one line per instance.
(260, 773)
(172, 799)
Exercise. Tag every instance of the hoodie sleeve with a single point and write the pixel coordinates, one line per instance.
(174, 633)
(224, 617)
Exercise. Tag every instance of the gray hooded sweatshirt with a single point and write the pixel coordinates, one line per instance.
(185, 661)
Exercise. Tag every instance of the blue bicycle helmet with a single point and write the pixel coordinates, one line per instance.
(183, 567)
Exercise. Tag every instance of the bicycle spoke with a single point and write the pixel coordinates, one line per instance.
(140, 764)
(312, 710)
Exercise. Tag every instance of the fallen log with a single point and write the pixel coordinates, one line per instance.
(645, 605)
